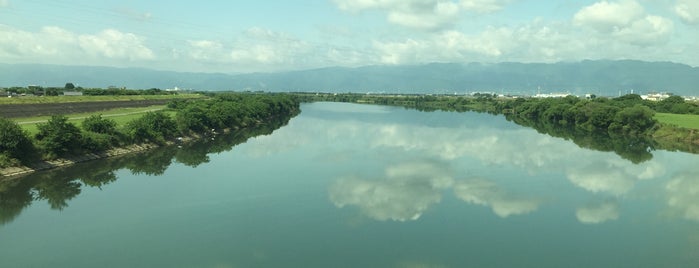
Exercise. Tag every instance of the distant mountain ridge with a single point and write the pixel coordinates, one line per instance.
(602, 77)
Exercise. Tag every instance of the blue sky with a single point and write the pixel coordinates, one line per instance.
(268, 36)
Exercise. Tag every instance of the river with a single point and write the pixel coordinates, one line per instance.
(349, 185)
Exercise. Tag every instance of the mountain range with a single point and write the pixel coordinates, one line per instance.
(601, 77)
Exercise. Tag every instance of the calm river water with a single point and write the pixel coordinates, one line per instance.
(346, 185)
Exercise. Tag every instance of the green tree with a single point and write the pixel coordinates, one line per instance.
(152, 126)
(14, 141)
(633, 120)
(69, 86)
(58, 137)
(95, 123)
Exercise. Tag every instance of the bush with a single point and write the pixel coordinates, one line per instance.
(96, 142)
(14, 141)
(7, 161)
(97, 124)
(58, 137)
(153, 127)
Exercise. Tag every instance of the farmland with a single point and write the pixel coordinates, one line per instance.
(690, 121)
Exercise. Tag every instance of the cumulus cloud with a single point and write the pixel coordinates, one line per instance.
(609, 16)
(598, 213)
(486, 193)
(405, 193)
(255, 48)
(483, 6)
(423, 14)
(683, 195)
(445, 47)
(688, 11)
(114, 44)
(49, 42)
(57, 45)
(626, 20)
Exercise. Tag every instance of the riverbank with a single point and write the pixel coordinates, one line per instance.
(18, 171)
(59, 141)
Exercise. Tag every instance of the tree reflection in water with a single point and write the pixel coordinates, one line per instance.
(59, 186)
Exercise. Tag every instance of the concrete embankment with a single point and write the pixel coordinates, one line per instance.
(44, 165)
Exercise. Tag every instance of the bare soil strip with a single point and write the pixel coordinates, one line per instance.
(40, 109)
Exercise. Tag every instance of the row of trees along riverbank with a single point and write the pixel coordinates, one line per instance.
(59, 138)
(624, 125)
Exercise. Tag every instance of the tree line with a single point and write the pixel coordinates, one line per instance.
(60, 138)
(59, 186)
(70, 87)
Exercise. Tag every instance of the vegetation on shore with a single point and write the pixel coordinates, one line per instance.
(57, 187)
(60, 138)
(84, 98)
(627, 125)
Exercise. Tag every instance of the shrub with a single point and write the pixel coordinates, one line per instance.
(97, 124)
(14, 141)
(58, 137)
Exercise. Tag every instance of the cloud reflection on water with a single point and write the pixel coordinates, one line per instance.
(472, 142)
(405, 193)
(487, 193)
(598, 213)
(683, 195)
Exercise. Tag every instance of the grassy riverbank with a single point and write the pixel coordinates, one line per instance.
(690, 121)
(120, 115)
(60, 137)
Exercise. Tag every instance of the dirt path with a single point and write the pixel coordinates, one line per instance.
(83, 117)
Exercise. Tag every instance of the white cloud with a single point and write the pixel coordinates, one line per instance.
(48, 43)
(483, 6)
(688, 11)
(446, 46)
(598, 213)
(255, 49)
(626, 20)
(486, 193)
(206, 50)
(4, 3)
(423, 14)
(114, 44)
(609, 17)
(407, 191)
(647, 31)
(59, 46)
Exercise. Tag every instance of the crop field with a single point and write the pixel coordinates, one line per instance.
(120, 115)
(680, 120)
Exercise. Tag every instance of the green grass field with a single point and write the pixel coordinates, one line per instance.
(120, 115)
(680, 120)
(65, 99)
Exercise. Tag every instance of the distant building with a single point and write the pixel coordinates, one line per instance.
(655, 96)
(72, 93)
(551, 95)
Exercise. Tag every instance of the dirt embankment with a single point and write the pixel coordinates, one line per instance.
(40, 109)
